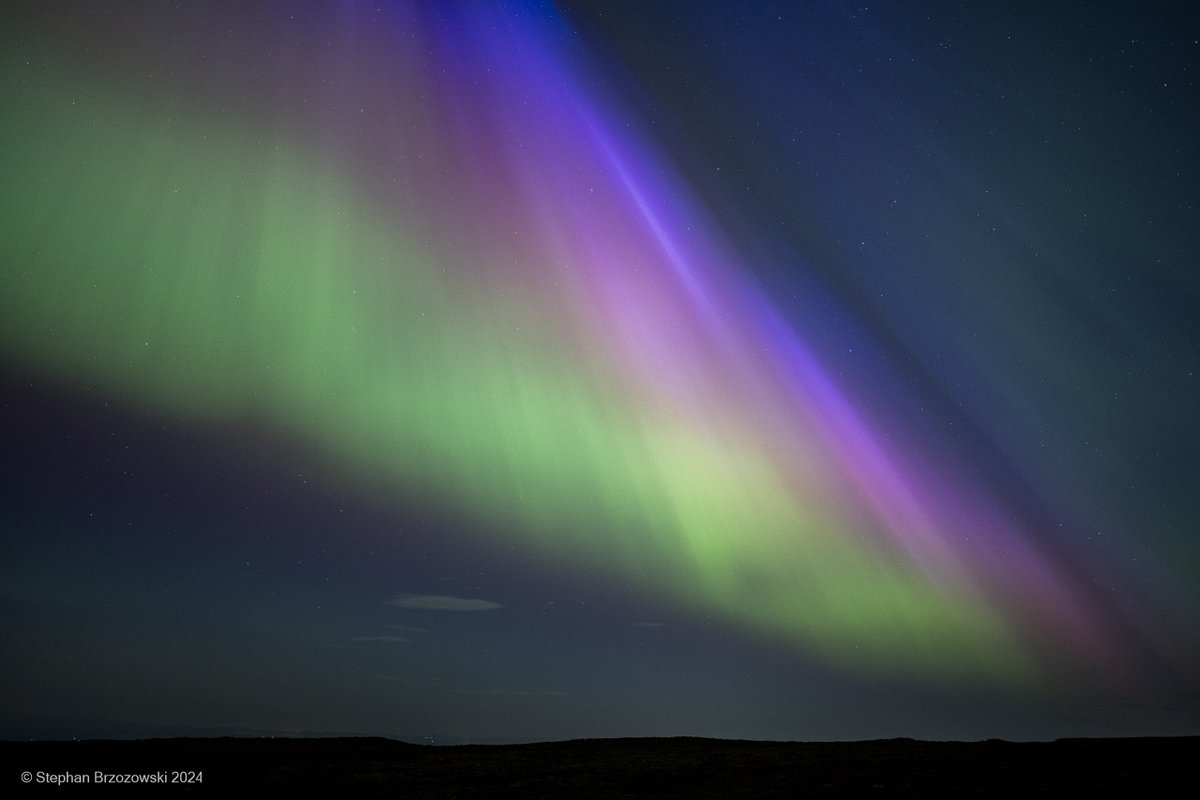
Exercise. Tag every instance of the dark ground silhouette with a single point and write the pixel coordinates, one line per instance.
(617, 768)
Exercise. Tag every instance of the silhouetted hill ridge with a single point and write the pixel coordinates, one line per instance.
(669, 767)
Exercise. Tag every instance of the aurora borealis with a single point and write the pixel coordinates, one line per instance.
(517, 371)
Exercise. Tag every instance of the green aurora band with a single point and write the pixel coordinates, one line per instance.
(201, 268)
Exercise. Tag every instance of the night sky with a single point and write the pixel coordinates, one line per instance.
(496, 372)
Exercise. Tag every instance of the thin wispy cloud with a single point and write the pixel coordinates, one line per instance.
(513, 693)
(441, 602)
(408, 679)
